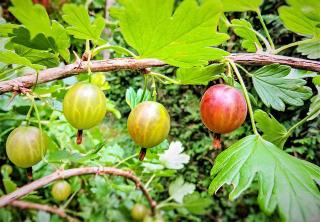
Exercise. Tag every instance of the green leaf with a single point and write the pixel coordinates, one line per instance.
(178, 189)
(296, 22)
(196, 204)
(300, 74)
(273, 131)
(133, 98)
(309, 8)
(315, 105)
(7, 28)
(9, 57)
(112, 154)
(275, 89)
(33, 17)
(61, 39)
(183, 38)
(245, 30)
(284, 181)
(81, 26)
(35, 56)
(199, 75)
(241, 5)
(311, 50)
(40, 30)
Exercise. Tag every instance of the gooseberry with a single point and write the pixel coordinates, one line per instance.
(26, 145)
(84, 106)
(138, 212)
(223, 109)
(61, 190)
(148, 125)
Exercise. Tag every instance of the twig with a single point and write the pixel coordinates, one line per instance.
(43, 207)
(61, 174)
(51, 74)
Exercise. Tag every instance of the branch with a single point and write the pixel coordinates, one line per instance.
(42, 207)
(51, 74)
(61, 174)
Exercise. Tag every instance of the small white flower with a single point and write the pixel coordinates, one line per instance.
(173, 158)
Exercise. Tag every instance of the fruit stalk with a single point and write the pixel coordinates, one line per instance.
(142, 154)
(79, 136)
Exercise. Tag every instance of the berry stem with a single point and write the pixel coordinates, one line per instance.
(216, 141)
(29, 173)
(142, 154)
(79, 136)
(246, 95)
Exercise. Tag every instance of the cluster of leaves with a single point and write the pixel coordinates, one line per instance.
(184, 37)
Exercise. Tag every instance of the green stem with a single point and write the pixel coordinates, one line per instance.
(305, 119)
(126, 159)
(154, 91)
(164, 77)
(10, 70)
(70, 199)
(149, 181)
(116, 48)
(144, 87)
(265, 29)
(293, 44)
(29, 114)
(246, 95)
(243, 69)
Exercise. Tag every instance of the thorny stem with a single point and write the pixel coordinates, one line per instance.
(246, 95)
(265, 29)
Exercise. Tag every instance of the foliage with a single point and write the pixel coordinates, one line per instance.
(268, 171)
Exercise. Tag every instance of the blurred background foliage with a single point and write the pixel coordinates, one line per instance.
(103, 198)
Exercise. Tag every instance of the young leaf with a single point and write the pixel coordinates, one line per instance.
(311, 50)
(275, 90)
(241, 5)
(133, 98)
(178, 189)
(199, 75)
(196, 204)
(9, 57)
(35, 56)
(285, 182)
(173, 158)
(80, 25)
(273, 131)
(244, 29)
(7, 28)
(183, 38)
(297, 22)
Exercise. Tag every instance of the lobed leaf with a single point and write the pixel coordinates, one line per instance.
(9, 57)
(285, 182)
(275, 89)
(81, 26)
(178, 189)
(183, 38)
(311, 50)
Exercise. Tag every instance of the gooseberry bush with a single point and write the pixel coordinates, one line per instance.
(68, 140)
